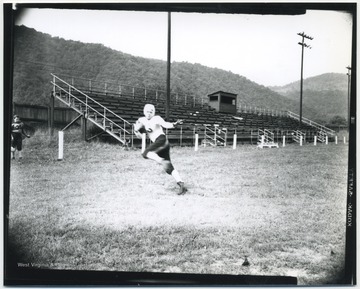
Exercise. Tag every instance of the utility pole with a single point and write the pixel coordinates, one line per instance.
(167, 106)
(349, 90)
(303, 44)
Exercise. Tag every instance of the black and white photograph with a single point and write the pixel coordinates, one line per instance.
(184, 144)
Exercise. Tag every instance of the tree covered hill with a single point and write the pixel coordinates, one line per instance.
(37, 54)
(328, 93)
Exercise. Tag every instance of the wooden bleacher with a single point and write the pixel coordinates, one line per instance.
(109, 109)
(195, 117)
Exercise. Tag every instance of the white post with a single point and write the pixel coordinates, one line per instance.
(61, 146)
(301, 140)
(336, 140)
(215, 126)
(180, 135)
(315, 140)
(344, 139)
(327, 140)
(234, 142)
(284, 141)
(205, 137)
(196, 142)
(262, 140)
(143, 142)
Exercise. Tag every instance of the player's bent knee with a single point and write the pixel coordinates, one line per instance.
(168, 167)
(144, 154)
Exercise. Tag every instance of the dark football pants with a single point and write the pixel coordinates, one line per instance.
(17, 141)
(161, 147)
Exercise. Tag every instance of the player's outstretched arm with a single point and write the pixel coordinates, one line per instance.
(166, 124)
(179, 121)
(24, 133)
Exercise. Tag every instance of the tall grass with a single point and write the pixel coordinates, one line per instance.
(106, 208)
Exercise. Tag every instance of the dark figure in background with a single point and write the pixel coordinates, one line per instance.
(17, 133)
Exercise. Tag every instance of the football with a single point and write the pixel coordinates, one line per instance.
(142, 130)
(139, 127)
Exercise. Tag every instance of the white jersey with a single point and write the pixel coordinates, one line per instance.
(154, 126)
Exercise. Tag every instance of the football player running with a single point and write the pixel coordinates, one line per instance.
(17, 132)
(159, 149)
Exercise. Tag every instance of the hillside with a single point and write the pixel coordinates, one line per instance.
(327, 93)
(36, 55)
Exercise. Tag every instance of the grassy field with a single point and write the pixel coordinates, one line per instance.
(107, 208)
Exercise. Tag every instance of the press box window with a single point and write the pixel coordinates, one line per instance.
(228, 100)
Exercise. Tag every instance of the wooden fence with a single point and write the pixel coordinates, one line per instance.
(42, 114)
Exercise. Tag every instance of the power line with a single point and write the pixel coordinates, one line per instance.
(303, 44)
(349, 89)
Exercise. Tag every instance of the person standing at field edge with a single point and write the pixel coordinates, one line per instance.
(159, 149)
(17, 133)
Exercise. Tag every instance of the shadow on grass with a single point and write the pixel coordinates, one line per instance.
(86, 256)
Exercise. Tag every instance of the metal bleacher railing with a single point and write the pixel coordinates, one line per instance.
(215, 135)
(94, 111)
(298, 136)
(117, 89)
(114, 88)
(266, 138)
(243, 108)
(311, 123)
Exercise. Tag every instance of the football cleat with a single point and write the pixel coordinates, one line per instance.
(182, 188)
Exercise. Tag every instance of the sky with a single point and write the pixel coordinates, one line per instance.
(262, 48)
